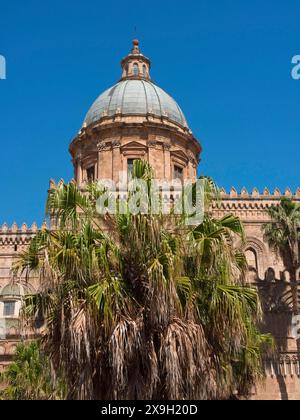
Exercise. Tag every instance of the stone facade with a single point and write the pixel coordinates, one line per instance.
(137, 120)
(13, 240)
(268, 274)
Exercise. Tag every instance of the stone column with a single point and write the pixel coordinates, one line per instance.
(191, 169)
(104, 160)
(116, 160)
(78, 175)
(75, 168)
(167, 161)
(151, 147)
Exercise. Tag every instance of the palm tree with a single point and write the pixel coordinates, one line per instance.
(28, 377)
(283, 234)
(139, 312)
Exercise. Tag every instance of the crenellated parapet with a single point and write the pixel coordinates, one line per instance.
(53, 185)
(14, 234)
(250, 206)
(256, 194)
(286, 364)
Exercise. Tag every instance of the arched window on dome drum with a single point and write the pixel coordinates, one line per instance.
(135, 69)
(90, 174)
(130, 168)
(144, 71)
(178, 173)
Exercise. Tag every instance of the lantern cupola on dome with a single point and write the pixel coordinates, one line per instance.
(135, 65)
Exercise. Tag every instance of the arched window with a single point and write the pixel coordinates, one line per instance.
(270, 275)
(130, 168)
(90, 174)
(144, 70)
(135, 69)
(251, 257)
(178, 172)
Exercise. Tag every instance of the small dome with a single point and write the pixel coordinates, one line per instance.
(135, 97)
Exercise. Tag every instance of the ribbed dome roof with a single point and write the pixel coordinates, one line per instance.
(135, 97)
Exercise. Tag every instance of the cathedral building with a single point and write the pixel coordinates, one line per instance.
(136, 119)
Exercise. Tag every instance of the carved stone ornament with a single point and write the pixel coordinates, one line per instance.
(152, 143)
(115, 144)
(103, 146)
(78, 158)
(191, 157)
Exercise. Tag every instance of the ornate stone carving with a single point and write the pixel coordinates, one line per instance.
(288, 192)
(244, 193)
(233, 192)
(102, 146)
(78, 157)
(115, 144)
(152, 143)
(277, 192)
(191, 157)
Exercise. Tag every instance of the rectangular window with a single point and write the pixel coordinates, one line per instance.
(178, 172)
(129, 168)
(9, 308)
(90, 173)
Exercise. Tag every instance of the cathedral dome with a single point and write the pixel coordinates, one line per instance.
(134, 120)
(135, 97)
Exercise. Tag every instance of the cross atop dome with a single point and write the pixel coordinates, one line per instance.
(135, 65)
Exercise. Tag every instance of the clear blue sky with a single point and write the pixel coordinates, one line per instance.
(226, 62)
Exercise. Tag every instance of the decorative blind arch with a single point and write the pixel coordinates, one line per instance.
(256, 251)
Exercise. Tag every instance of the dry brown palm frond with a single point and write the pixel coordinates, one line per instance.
(124, 349)
(186, 363)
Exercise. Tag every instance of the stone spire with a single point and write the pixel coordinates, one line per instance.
(135, 65)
